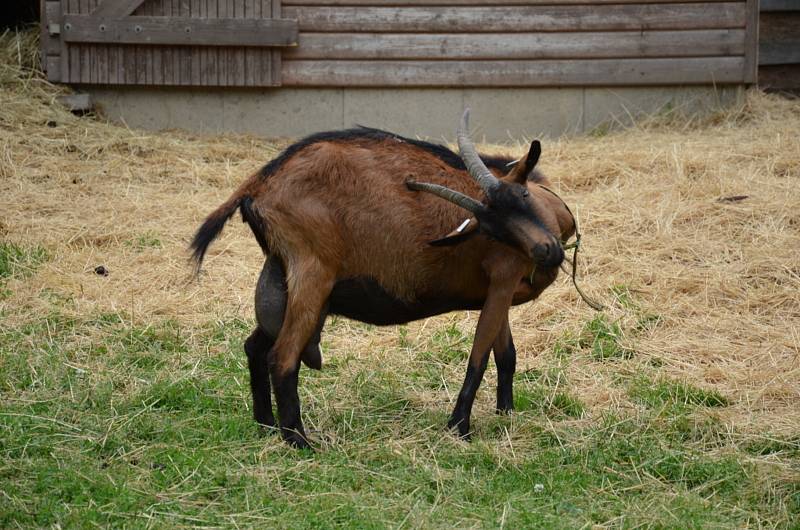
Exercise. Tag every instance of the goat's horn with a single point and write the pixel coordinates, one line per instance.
(468, 203)
(475, 166)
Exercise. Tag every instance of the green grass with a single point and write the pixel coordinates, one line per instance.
(666, 392)
(604, 339)
(144, 241)
(105, 422)
(18, 262)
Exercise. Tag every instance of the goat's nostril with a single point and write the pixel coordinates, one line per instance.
(540, 252)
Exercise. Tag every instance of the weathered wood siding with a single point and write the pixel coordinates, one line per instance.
(518, 43)
(460, 43)
(174, 65)
(779, 45)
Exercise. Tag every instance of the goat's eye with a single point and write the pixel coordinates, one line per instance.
(525, 193)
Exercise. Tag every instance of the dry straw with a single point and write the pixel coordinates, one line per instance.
(717, 279)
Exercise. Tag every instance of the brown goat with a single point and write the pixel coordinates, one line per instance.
(347, 231)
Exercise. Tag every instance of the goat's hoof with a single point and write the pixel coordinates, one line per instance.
(504, 410)
(297, 440)
(460, 428)
(266, 421)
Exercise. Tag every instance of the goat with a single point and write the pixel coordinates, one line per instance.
(352, 224)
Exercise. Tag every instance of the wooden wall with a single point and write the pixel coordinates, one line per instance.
(460, 43)
(175, 65)
(515, 43)
(779, 45)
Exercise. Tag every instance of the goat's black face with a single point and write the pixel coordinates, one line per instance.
(517, 211)
(517, 217)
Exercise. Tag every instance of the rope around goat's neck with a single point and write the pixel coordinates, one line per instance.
(576, 245)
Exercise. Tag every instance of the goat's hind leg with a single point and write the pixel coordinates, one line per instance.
(271, 305)
(306, 301)
(257, 347)
(505, 358)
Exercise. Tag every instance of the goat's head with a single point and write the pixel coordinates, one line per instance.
(517, 211)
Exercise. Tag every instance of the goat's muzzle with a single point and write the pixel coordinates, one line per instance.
(549, 255)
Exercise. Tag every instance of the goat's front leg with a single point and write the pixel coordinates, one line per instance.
(505, 358)
(493, 315)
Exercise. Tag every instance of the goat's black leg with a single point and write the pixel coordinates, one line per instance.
(492, 320)
(466, 397)
(257, 346)
(505, 358)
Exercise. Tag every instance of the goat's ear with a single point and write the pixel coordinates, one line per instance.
(522, 170)
(466, 230)
(533, 157)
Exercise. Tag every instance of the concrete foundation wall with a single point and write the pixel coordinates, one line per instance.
(498, 114)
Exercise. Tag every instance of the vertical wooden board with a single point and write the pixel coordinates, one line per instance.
(187, 63)
(52, 47)
(194, 51)
(751, 42)
(204, 73)
(113, 66)
(233, 65)
(212, 52)
(69, 54)
(174, 10)
(276, 54)
(222, 53)
(268, 55)
(85, 54)
(250, 55)
(238, 78)
(146, 52)
(92, 50)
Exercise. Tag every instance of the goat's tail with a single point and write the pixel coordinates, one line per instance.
(241, 199)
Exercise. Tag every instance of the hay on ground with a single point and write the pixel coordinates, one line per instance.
(706, 288)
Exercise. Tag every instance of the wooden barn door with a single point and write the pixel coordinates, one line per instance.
(165, 42)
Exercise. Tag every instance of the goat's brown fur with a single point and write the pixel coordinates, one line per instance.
(340, 209)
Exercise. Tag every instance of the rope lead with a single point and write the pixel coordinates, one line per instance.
(575, 246)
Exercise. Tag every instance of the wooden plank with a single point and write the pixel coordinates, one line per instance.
(83, 70)
(779, 38)
(400, 3)
(53, 68)
(212, 54)
(177, 52)
(779, 77)
(223, 59)
(250, 56)
(180, 31)
(751, 42)
(51, 44)
(773, 53)
(71, 70)
(501, 46)
(51, 13)
(237, 68)
(113, 65)
(599, 72)
(502, 19)
(275, 53)
(194, 53)
(93, 52)
(769, 6)
(115, 8)
(205, 75)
